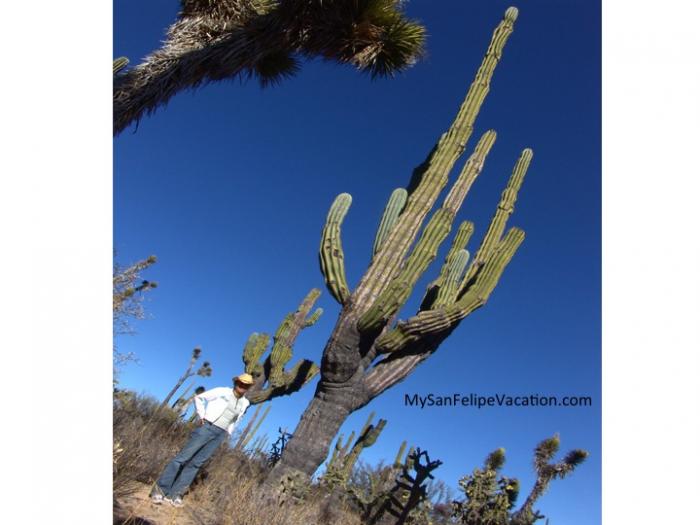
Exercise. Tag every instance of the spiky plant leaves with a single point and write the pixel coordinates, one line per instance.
(575, 457)
(275, 67)
(495, 460)
(217, 40)
(546, 450)
(205, 370)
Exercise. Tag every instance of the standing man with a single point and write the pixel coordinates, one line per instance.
(219, 410)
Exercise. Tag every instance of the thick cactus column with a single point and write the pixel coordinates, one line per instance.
(393, 209)
(331, 254)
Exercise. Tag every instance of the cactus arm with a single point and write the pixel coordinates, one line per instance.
(447, 293)
(464, 233)
(416, 339)
(432, 174)
(311, 320)
(425, 251)
(432, 322)
(253, 351)
(272, 370)
(118, 64)
(331, 255)
(503, 212)
(398, 461)
(393, 209)
(368, 437)
(483, 274)
(302, 372)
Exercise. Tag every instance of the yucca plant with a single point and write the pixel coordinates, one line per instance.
(490, 497)
(221, 39)
(127, 293)
(203, 371)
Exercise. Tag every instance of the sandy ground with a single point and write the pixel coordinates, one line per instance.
(137, 509)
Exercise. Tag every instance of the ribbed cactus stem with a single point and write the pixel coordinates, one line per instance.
(348, 444)
(280, 354)
(311, 320)
(272, 370)
(367, 424)
(399, 455)
(453, 278)
(368, 437)
(432, 174)
(253, 351)
(464, 233)
(408, 462)
(425, 251)
(393, 209)
(440, 320)
(503, 212)
(118, 64)
(336, 452)
(331, 255)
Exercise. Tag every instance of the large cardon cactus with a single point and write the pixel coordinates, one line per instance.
(369, 351)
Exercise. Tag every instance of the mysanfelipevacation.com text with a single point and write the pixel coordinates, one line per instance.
(495, 400)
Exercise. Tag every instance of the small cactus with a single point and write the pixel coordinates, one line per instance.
(272, 379)
(344, 459)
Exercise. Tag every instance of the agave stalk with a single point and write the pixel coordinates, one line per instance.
(266, 39)
(203, 371)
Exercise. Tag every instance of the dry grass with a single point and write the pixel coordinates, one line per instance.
(225, 492)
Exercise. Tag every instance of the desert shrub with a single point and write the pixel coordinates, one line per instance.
(225, 491)
(146, 437)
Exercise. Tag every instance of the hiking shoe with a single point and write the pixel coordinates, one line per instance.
(175, 502)
(156, 498)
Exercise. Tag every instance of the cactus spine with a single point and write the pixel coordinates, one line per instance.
(271, 378)
(367, 353)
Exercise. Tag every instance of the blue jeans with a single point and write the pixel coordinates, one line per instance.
(180, 472)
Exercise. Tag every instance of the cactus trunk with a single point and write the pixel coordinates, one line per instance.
(312, 438)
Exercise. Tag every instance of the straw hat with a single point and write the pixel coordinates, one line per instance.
(246, 379)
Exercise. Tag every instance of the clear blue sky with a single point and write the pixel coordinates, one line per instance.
(229, 187)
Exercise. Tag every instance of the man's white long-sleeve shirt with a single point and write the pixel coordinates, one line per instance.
(210, 405)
